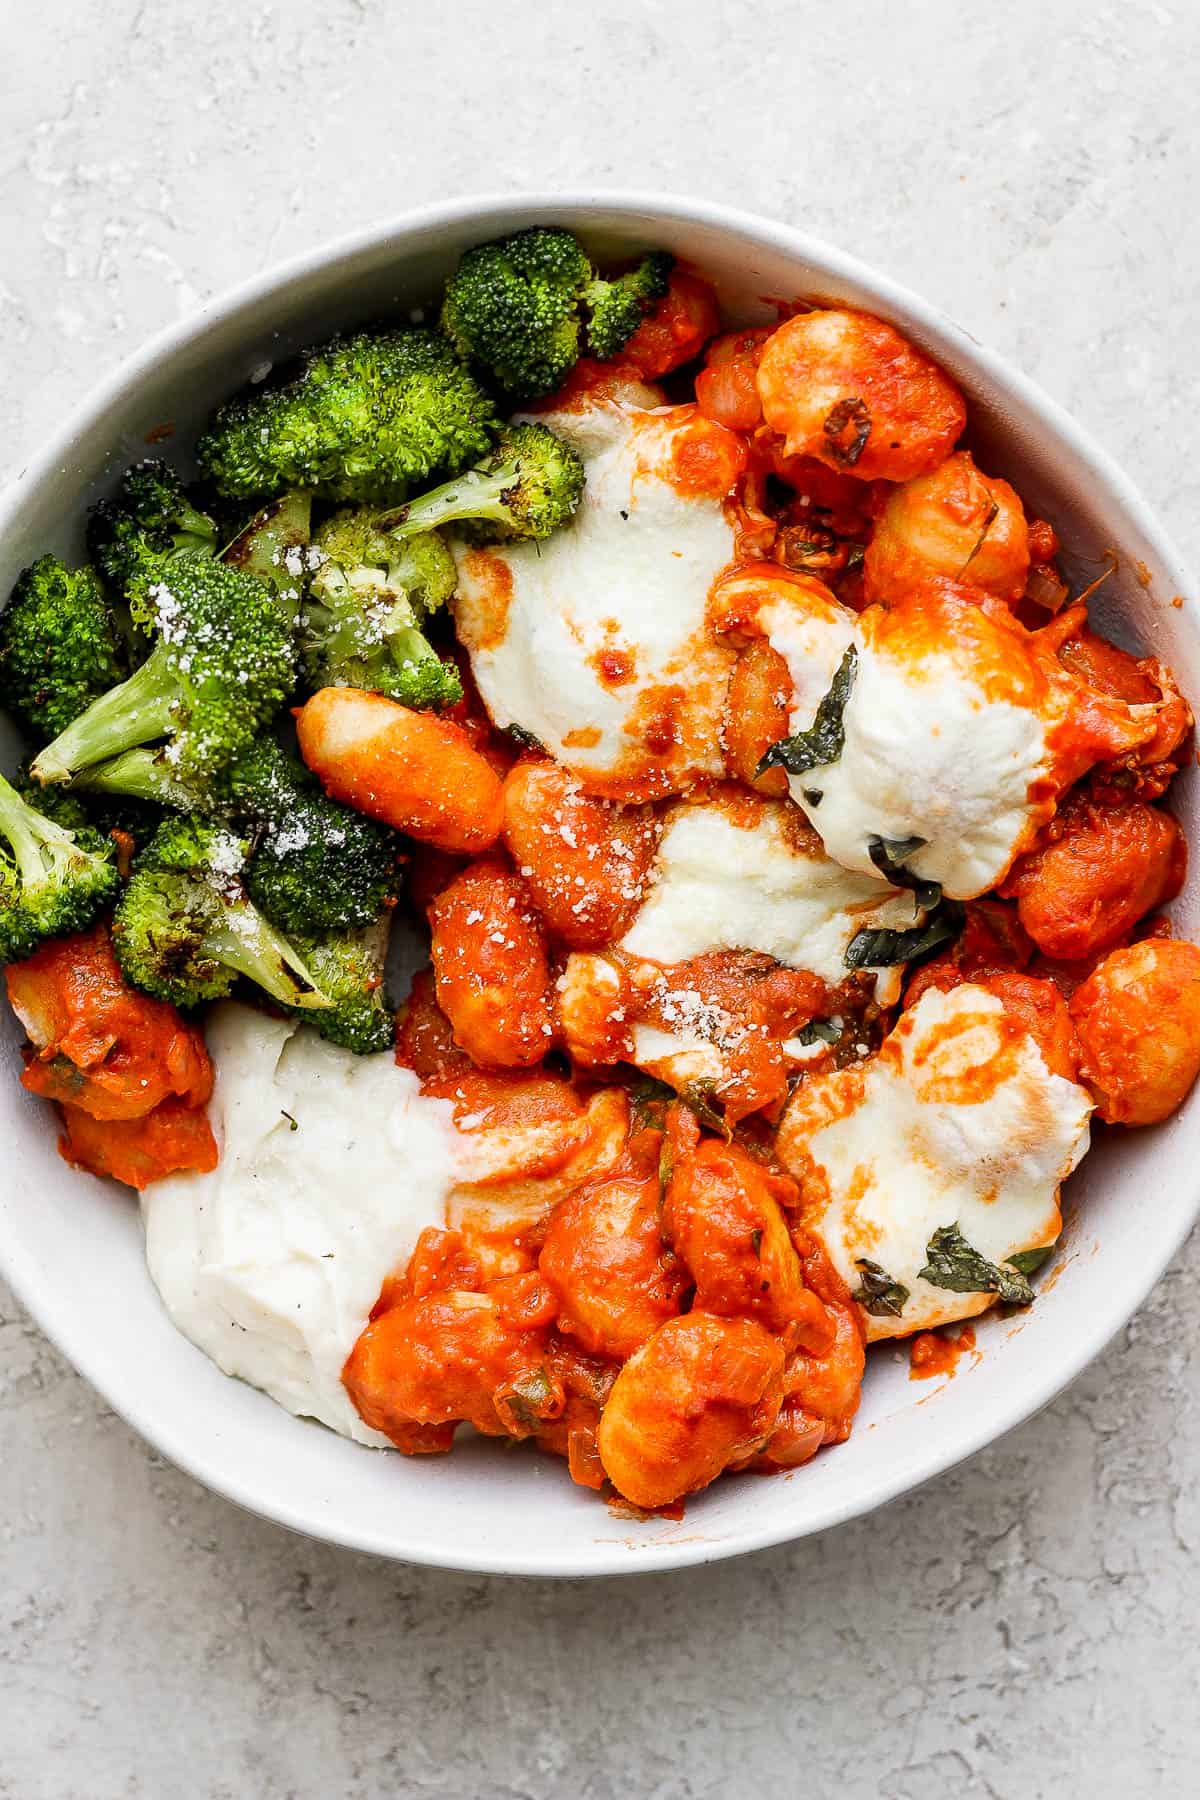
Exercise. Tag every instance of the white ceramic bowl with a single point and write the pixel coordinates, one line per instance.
(72, 1246)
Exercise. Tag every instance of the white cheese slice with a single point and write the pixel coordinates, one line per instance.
(677, 1057)
(935, 746)
(743, 877)
(595, 640)
(955, 1121)
(272, 1263)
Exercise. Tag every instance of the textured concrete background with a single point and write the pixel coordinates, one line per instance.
(1024, 1626)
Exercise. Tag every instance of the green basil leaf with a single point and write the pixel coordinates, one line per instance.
(954, 1265)
(878, 949)
(1028, 1262)
(889, 856)
(527, 1401)
(825, 738)
(524, 740)
(879, 1294)
(647, 1090)
(649, 1099)
(993, 514)
(697, 1097)
(819, 1031)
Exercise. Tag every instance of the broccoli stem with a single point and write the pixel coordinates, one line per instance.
(252, 946)
(135, 712)
(193, 532)
(31, 835)
(334, 584)
(475, 495)
(409, 648)
(135, 775)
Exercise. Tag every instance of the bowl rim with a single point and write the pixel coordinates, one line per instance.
(33, 1286)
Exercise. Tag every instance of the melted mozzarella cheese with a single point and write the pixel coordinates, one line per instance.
(740, 879)
(271, 1264)
(595, 640)
(956, 1121)
(676, 1057)
(812, 636)
(946, 737)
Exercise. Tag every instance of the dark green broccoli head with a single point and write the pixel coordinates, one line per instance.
(529, 486)
(264, 784)
(222, 665)
(349, 968)
(185, 929)
(53, 879)
(61, 646)
(513, 307)
(149, 518)
(365, 418)
(517, 308)
(616, 308)
(317, 866)
(368, 600)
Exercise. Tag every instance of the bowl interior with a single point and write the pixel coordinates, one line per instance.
(72, 1245)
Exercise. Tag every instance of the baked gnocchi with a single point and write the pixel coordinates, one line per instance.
(784, 849)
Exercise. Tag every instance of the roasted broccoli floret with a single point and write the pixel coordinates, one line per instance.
(185, 927)
(61, 646)
(150, 522)
(516, 307)
(317, 866)
(222, 665)
(274, 547)
(53, 879)
(617, 307)
(148, 519)
(368, 601)
(365, 418)
(528, 487)
(349, 968)
(513, 307)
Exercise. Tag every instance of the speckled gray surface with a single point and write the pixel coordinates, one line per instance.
(1024, 1626)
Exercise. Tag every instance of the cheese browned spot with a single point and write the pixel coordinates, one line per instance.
(956, 1121)
(595, 640)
